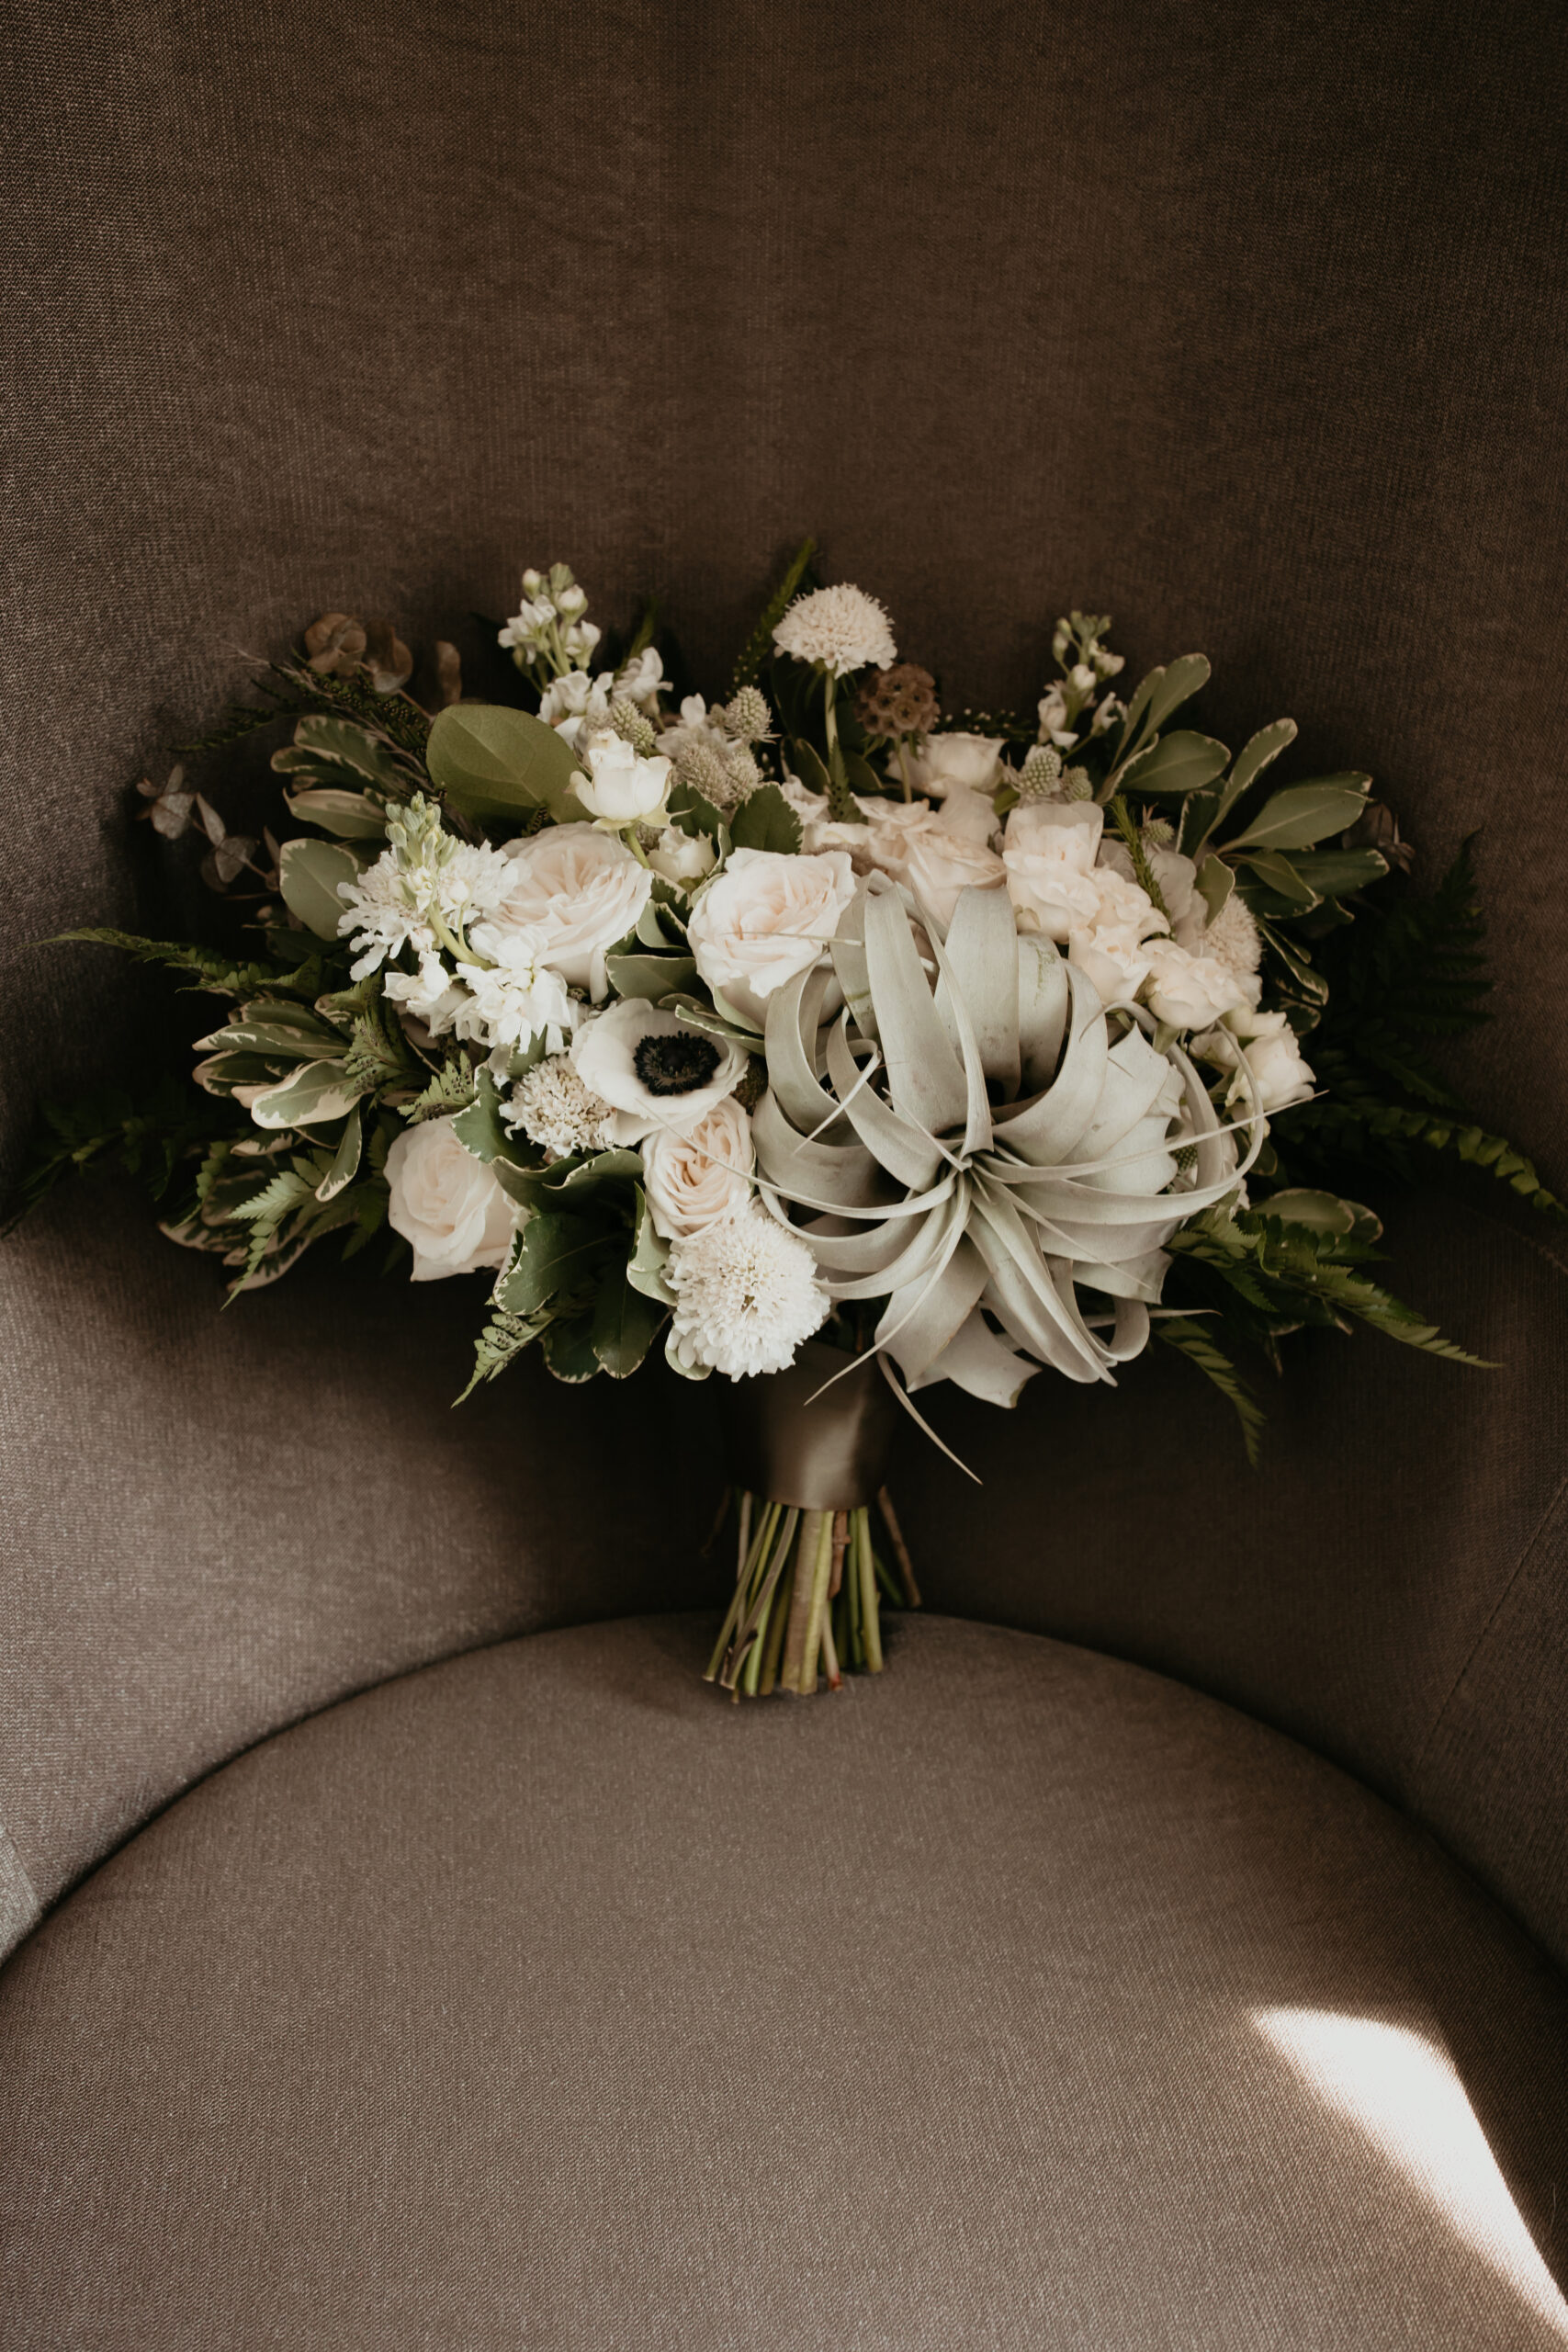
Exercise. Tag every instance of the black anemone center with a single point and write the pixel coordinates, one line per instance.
(676, 1065)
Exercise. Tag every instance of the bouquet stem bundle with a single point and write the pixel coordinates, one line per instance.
(807, 1602)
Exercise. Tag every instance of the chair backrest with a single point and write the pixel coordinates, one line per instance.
(1247, 326)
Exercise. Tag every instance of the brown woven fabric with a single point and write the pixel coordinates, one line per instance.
(1245, 325)
(542, 1998)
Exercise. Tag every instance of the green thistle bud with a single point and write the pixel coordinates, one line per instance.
(633, 727)
(1075, 785)
(1041, 773)
(748, 718)
(1158, 834)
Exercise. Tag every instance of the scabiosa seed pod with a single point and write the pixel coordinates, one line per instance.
(899, 701)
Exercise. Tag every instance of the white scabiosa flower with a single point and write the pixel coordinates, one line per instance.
(555, 1110)
(838, 629)
(747, 1294)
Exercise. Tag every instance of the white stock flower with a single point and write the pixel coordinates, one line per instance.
(1280, 1074)
(621, 788)
(839, 628)
(767, 917)
(1189, 991)
(747, 1294)
(954, 760)
(430, 995)
(555, 1110)
(581, 890)
(682, 858)
(642, 681)
(516, 998)
(446, 1204)
(1054, 727)
(577, 701)
(426, 881)
(693, 1180)
(654, 1071)
(1049, 852)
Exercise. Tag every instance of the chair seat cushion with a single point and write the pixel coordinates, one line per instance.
(1022, 1998)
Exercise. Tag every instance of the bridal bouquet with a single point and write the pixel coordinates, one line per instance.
(834, 1048)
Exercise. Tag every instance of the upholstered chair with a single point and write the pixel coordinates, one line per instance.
(408, 1948)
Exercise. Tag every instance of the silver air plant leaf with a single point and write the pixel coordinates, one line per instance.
(981, 1152)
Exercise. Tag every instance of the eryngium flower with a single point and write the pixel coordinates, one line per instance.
(900, 701)
(747, 1294)
(839, 629)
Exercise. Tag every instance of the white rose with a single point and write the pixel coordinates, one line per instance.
(1177, 876)
(696, 1178)
(653, 1070)
(620, 788)
(767, 917)
(682, 858)
(1111, 947)
(1189, 991)
(1049, 851)
(969, 814)
(446, 1203)
(949, 760)
(581, 890)
(1269, 1041)
(938, 863)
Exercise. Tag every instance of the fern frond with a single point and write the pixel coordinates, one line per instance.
(1191, 1339)
(757, 647)
(210, 968)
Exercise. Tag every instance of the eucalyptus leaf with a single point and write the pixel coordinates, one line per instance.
(1302, 814)
(353, 816)
(653, 977)
(625, 1320)
(555, 1252)
(1177, 764)
(490, 761)
(765, 820)
(310, 872)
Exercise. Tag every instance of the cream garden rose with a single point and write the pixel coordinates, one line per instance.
(949, 762)
(940, 862)
(767, 917)
(1049, 854)
(693, 1180)
(580, 889)
(446, 1204)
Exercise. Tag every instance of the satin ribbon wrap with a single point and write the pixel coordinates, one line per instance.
(827, 1454)
(977, 1152)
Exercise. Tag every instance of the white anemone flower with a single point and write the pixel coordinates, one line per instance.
(747, 1294)
(653, 1070)
(838, 629)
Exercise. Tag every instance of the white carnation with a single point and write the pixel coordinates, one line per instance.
(840, 629)
(555, 1110)
(747, 1294)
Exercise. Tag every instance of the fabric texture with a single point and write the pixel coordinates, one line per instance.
(1246, 324)
(540, 1998)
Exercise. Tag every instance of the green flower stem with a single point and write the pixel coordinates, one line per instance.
(865, 1586)
(806, 1549)
(777, 1625)
(628, 834)
(831, 717)
(821, 1579)
(900, 1551)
